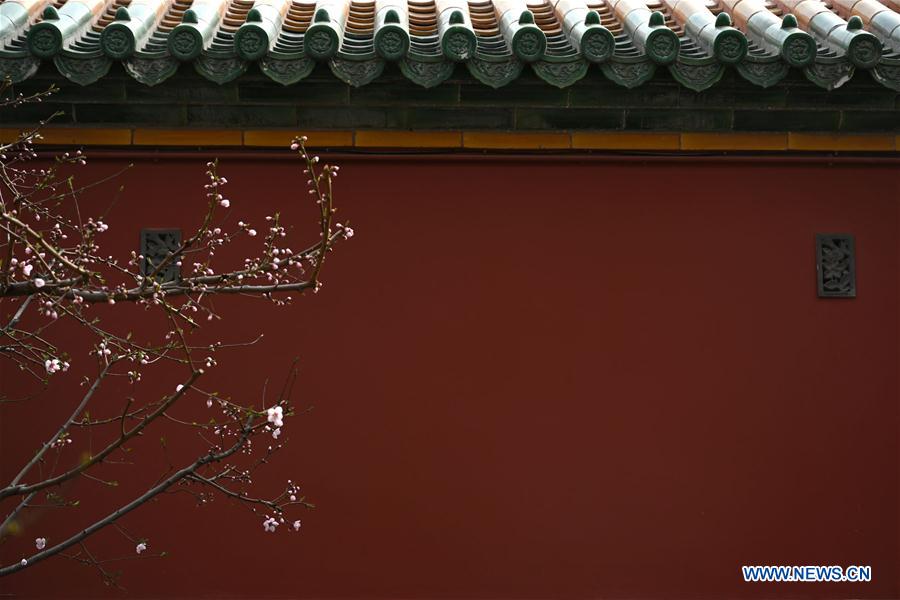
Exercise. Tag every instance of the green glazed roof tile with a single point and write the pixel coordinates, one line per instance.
(696, 40)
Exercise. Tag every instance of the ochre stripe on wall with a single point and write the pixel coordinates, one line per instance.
(473, 140)
(269, 138)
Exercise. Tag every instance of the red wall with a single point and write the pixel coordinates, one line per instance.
(534, 379)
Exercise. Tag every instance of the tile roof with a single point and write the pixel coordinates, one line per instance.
(559, 39)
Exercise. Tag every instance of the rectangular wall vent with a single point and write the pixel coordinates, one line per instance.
(156, 244)
(836, 265)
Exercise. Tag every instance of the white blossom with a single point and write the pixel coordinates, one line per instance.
(270, 524)
(140, 547)
(61, 441)
(40, 543)
(38, 282)
(297, 525)
(275, 416)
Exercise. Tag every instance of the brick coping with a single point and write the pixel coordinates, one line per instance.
(471, 140)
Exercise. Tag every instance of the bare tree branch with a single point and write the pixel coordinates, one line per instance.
(51, 258)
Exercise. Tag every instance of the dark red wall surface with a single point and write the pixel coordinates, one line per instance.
(536, 379)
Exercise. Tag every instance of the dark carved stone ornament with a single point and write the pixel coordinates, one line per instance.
(561, 74)
(356, 72)
(697, 75)
(156, 245)
(836, 265)
(18, 69)
(629, 74)
(830, 74)
(763, 72)
(151, 70)
(495, 73)
(287, 71)
(220, 69)
(426, 73)
(83, 70)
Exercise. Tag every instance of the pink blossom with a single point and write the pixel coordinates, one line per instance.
(224, 203)
(297, 525)
(40, 543)
(140, 547)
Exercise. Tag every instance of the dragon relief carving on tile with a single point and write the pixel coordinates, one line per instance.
(628, 74)
(151, 71)
(286, 71)
(220, 70)
(356, 72)
(426, 74)
(561, 74)
(82, 71)
(697, 77)
(495, 73)
(763, 73)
